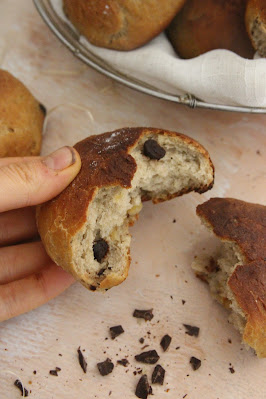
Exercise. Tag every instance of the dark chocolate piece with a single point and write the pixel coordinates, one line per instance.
(158, 375)
(53, 372)
(82, 361)
(232, 370)
(153, 150)
(105, 367)
(195, 363)
(123, 362)
(34, 372)
(183, 302)
(100, 249)
(193, 331)
(116, 331)
(143, 388)
(165, 342)
(143, 314)
(141, 340)
(149, 357)
(22, 389)
(43, 109)
(92, 288)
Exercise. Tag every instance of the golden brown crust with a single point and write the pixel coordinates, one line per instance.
(106, 162)
(21, 119)
(207, 25)
(244, 224)
(255, 14)
(119, 24)
(248, 284)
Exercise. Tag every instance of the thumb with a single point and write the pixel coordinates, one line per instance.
(29, 181)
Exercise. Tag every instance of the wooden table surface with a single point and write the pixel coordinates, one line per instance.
(82, 102)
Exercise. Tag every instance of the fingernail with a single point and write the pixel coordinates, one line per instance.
(60, 159)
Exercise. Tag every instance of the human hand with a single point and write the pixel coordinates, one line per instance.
(28, 277)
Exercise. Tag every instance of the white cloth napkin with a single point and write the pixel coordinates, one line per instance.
(219, 76)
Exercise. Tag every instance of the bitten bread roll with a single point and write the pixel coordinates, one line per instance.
(207, 25)
(121, 24)
(237, 272)
(85, 229)
(256, 25)
(21, 119)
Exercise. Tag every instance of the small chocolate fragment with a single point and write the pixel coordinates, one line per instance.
(165, 342)
(158, 375)
(149, 357)
(82, 361)
(143, 388)
(193, 331)
(116, 331)
(123, 362)
(34, 372)
(153, 150)
(43, 109)
(23, 390)
(100, 249)
(183, 302)
(141, 340)
(232, 370)
(195, 363)
(105, 367)
(100, 273)
(93, 288)
(53, 372)
(143, 314)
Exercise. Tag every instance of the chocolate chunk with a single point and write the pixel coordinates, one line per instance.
(141, 340)
(153, 150)
(195, 363)
(93, 288)
(23, 390)
(165, 342)
(116, 331)
(149, 357)
(43, 109)
(193, 331)
(53, 372)
(143, 388)
(82, 361)
(123, 362)
(105, 367)
(100, 249)
(143, 314)
(158, 375)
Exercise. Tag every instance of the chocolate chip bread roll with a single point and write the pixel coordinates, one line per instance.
(21, 119)
(236, 274)
(85, 229)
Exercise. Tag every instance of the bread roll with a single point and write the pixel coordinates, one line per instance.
(237, 272)
(207, 25)
(256, 25)
(21, 119)
(121, 24)
(85, 229)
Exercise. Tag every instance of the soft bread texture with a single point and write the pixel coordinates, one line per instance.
(121, 24)
(21, 119)
(237, 272)
(207, 25)
(256, 25)
(106, 197)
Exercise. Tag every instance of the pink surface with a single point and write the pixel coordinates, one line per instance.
(82, 102)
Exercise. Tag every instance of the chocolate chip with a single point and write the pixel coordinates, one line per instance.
(149, 357)
(123, 362)
(153, 150)
(93, 288)
(100, 249)
(183, 302)
(43, 109)
(195, 363)
(82, 361)
(143, 388)
(165, 342)
(143, 314)
(105, 367)
(158, 375)
(193, 331)
(23, 390)
(100, 273)
(141, 340)
(116, 331)
(53, 372)
(232, 370)
(34, 372)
